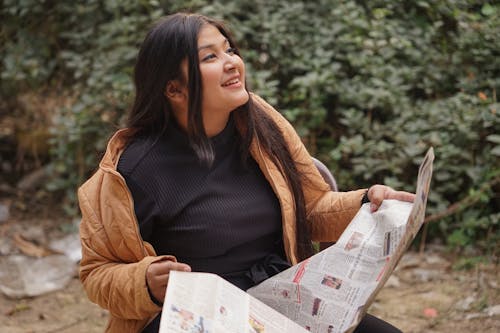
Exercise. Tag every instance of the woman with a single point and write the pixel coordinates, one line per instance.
(206, 177)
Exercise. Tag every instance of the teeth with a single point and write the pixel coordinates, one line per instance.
(231, 82)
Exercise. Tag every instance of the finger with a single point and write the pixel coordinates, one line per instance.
(158, 281)
(376, 195)
(400, 195)
(164, 267)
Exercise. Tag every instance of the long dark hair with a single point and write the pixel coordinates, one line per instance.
(166, 45)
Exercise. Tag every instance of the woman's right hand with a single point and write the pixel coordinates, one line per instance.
(157, 276)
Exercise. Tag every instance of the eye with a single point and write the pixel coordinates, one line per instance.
(208, 57)
(231, 50)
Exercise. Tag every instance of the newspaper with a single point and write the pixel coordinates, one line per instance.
(204, 302)
(328, 292)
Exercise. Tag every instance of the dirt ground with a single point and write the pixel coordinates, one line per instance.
(425, 294)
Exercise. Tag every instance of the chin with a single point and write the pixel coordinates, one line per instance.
(236, 101)
(243, 99)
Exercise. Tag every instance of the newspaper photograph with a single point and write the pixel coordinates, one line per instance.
(331, 291)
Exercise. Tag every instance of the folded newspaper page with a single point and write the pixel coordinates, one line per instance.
(204, 302)
(329, 292)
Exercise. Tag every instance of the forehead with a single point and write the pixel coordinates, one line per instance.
(209, 35)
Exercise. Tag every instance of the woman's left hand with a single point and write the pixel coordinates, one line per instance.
(377, 193)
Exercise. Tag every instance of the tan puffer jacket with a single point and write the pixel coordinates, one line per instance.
(115, 258)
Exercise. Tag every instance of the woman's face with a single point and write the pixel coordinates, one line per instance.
(223, 81)
(222, 75)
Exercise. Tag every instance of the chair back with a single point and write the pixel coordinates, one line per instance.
(326, 174)
(330, 180)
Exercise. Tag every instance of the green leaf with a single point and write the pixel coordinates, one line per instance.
(496, 151)
(488, 9)
(495, 138)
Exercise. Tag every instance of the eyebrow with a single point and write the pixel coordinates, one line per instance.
(226, 41)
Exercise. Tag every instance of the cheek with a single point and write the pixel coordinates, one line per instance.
(210, 77)
(242, 68)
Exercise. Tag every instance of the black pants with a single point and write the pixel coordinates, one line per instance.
(372, 324)
(369, 324)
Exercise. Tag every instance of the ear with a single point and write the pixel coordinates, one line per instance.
(177, 97)
(174, 91)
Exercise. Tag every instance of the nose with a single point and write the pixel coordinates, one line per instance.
(230, 63)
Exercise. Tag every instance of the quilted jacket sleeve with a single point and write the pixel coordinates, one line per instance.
(114, 261)
(328, 212)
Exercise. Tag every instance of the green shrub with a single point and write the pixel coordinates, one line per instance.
(369, 85)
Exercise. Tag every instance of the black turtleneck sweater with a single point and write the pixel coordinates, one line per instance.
(223, 219)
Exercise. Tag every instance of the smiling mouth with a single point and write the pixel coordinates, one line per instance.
(231, 82)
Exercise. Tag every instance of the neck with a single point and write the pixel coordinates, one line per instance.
(215, 125)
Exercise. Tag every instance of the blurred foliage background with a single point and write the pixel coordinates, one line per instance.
(369, 85)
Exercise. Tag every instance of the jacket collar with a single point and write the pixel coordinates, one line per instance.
(115, 147)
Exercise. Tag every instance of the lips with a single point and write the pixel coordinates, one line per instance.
(231, 81)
